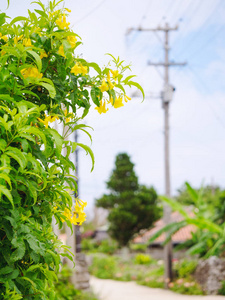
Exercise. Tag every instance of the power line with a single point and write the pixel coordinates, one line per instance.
(217, 117)
(171, 3)
(175, 10)
(190, 42)
(145, 13)
(208, 41)
(90, 12)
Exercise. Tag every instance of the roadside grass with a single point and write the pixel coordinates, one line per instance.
(145, 271)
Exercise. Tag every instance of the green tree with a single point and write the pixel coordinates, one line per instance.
(131, 206)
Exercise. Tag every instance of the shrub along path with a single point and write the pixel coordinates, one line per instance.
(107, 289)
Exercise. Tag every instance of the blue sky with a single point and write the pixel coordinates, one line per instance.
(197, 111)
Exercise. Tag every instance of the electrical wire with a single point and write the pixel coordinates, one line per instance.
(90, 12)
(216, 116)
(174, 12)
(208, 41)
(171, 3)
(146, 11)
(190, 42)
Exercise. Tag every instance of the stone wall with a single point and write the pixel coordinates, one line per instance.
(210, 273)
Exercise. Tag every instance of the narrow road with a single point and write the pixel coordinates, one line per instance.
(107, 289)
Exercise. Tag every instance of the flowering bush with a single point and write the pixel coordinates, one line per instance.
(43, 80)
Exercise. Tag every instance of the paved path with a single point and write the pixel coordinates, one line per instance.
(107, 289)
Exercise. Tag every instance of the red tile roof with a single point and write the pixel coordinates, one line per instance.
(180, 236)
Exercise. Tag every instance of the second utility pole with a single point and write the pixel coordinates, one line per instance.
(167, 95)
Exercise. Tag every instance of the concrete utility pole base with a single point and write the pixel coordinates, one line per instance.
(82, 277)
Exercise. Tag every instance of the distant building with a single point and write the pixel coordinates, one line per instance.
(156, 248)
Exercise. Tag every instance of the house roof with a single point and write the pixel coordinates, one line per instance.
(180, 236)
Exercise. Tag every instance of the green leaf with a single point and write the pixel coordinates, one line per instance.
(119, 86)
(32, 130)
(18, 19)
(28, 279)
(6, 270)
(37, 59)
(6, 98)
(192, 192)
(137, 85)
(33, 243)
(6, 178)
(42, 13)
(3, 144)
(175, 206)
(17, 155)
(19, 252)
(88, 151)
(167, 228)
(81, 127)
(205, 224)
(2, 16)
(7, 193)
(49, 88)
(95, 95)
(57, 138)
(128, 78)
(96, 67)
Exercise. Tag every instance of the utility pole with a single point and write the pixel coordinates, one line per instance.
(166, 96)
(77, 227)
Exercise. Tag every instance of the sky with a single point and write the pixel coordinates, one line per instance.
(197, 124)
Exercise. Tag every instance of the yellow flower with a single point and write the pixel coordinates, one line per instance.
(48, 119)
(37, 29)
(31, 72)
(43, 54)
(61, 51)
(3, 37)
(77, 216)
(66, 113)
(84, 70)
(72, 40)
(126, 98)
(104, 86)
(61, 22)
(102, 108)
(76, 69)
(115, 73)
(67, 9)
(17, 39)
(118, 102)
(111, 85)
(67, 214)
(27, 42)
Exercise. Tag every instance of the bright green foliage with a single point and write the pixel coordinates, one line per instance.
(185, 268)
(65, 290)
(41, 81)
(106, 246)
(209, 237)
(142, 259)
(132, 207)
(186, 287)
(138, 247)
(104, 267)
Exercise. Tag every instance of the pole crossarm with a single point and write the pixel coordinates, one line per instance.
(159, 28)
(173, 64)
